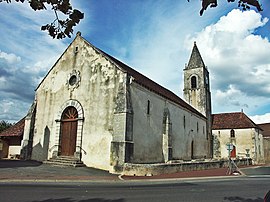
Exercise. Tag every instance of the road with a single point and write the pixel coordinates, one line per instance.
(246, 189)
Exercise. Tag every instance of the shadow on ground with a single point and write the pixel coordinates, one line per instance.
(18, 163)
(240, 199)
(86, 200)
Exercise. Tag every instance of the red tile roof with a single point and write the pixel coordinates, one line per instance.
(266, 129)
(235, 120)
(15, 130)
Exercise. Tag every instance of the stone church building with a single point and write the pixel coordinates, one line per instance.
(99, 111)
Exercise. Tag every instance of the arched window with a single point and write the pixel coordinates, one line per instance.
(232, 133)
(193, 82)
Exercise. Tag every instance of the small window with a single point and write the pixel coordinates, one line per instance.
(184, 121)
(72, 80)
(76, 49)
(193, 82)
(232, 133)
(197, 127)
(148, 107)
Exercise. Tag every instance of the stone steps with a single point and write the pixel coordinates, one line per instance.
(65, 161)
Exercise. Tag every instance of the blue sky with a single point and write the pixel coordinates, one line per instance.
(153, 37)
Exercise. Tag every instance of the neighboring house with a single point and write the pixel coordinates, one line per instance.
(266, 140)
(10, 140)
(238, 129)
(92, 107)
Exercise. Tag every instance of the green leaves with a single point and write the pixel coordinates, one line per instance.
(4, 125)
(244, 4)
(59, 28)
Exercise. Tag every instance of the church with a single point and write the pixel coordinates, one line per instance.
(99, 112)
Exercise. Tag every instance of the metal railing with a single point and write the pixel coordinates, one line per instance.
(82, 150)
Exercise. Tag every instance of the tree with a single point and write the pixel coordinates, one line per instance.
(4, 125)
(244, 4)
(58, 28)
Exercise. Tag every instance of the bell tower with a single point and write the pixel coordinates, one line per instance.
(197, 87)
(196, 83)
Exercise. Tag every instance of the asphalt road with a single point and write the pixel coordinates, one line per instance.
(240, 189)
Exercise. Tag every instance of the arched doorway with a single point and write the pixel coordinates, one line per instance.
(69, 124)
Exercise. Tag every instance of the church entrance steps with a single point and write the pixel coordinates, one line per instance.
(65, 161)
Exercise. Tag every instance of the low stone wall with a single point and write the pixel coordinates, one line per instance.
(166, 168)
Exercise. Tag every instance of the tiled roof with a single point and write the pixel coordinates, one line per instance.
(15, 130)
(149, 84)
(266, 129)
(235, 120)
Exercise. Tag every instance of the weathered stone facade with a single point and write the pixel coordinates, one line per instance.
(99, 110)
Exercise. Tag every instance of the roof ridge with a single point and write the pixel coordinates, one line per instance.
(147, 82)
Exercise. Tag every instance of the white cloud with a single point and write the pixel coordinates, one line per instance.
(238, 61)
(265, 118)
(10, 58)
(26, 55)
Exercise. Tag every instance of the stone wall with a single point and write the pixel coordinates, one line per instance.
(266, 145)
(159, 123)
(157, 169)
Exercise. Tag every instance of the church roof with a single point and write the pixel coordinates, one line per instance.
(15, 130)
(195, 60)
(266, 129)
(138, 78)
(235, 120)
(148, 83)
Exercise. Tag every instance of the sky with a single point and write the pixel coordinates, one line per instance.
(155, 37)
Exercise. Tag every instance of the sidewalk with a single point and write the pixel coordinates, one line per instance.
(16, 170)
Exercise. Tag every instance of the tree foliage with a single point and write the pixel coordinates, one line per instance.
(4, 125)
(59, 28)
(244, 4)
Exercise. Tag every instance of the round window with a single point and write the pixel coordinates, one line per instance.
(72, 80)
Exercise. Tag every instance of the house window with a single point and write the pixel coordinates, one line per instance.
(148, 107)
(232, 133)
(193, 82)
(197, 127)
(184, 121)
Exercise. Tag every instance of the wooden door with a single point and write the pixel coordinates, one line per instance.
(69, 131)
